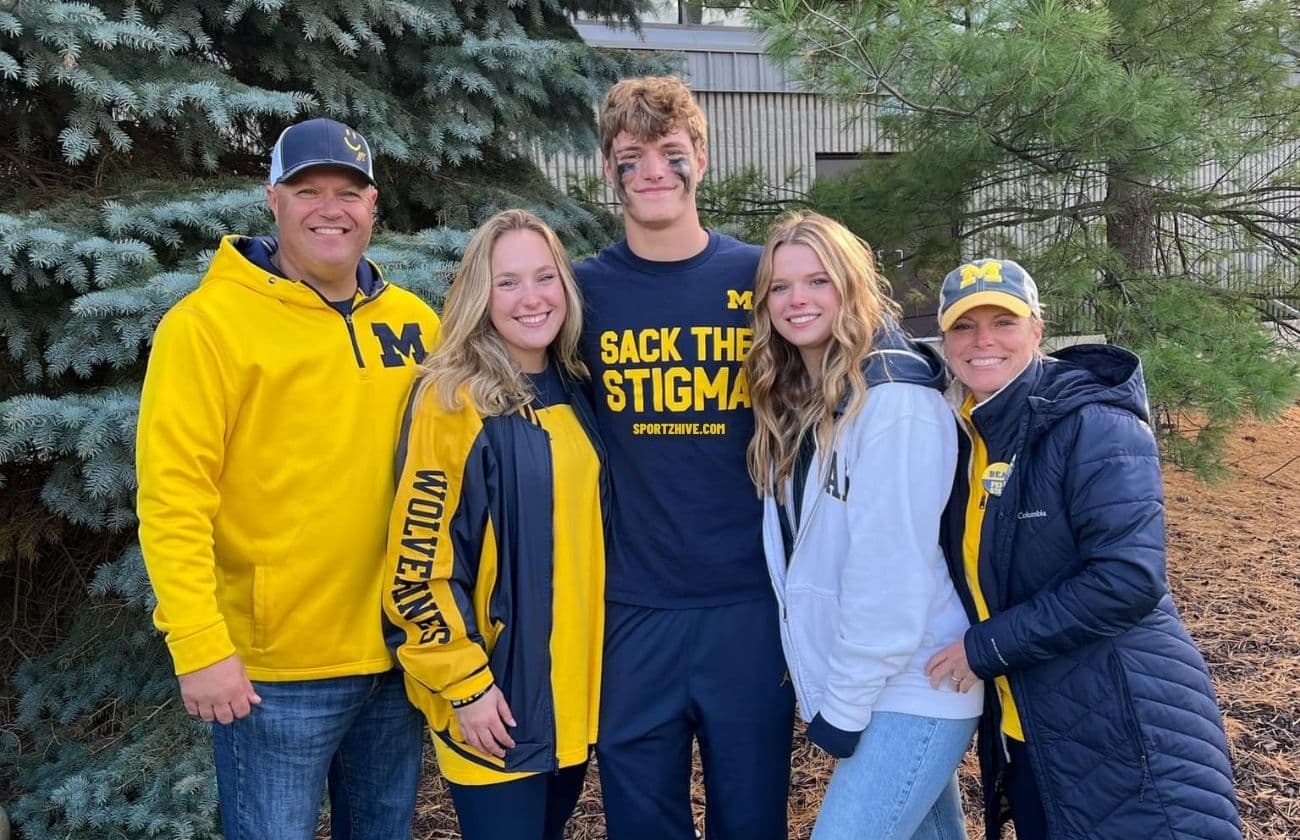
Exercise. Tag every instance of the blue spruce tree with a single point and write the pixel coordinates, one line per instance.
(135, 135)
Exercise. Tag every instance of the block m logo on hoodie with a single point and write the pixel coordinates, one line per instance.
(398, 348)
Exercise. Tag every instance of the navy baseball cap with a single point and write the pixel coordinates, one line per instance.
(320, 142)
(1001, 283)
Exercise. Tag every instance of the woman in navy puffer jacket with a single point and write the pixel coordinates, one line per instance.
(1099, 715)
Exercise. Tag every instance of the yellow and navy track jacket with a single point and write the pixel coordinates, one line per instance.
(267, 425)
(495, 574)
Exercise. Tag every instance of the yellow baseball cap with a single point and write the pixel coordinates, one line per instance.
(987, 282)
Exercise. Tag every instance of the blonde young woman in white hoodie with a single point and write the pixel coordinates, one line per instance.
(854, 453)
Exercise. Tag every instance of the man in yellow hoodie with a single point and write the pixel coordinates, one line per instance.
(265, 448)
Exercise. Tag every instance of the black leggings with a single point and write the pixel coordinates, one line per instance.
(1022, 792)
(532, 808)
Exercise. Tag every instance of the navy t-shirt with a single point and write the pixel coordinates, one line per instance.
(665, 342)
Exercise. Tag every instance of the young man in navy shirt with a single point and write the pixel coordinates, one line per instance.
(692, 644)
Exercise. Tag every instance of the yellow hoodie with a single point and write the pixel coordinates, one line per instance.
(264, 452)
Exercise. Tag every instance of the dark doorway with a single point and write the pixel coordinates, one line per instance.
(917, 295)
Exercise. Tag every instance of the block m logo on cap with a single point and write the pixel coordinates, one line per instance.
(989, 271)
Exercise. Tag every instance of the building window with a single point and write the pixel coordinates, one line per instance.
(835, 164)
(694, 13)
(916, 294)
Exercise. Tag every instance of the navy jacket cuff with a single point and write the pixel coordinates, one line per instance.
(980, 655)
(837, 742)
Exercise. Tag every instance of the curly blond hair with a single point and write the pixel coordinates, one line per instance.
(648, 107)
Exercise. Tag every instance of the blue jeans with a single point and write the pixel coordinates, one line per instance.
(360, 733)
(900, 782)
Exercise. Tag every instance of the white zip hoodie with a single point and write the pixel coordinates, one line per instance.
(866, 598)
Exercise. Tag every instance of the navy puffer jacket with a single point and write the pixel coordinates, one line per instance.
(1116, 702)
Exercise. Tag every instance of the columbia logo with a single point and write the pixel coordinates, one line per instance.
(1031, 514)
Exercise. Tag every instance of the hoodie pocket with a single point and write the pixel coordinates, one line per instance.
(258, 633)
(812, 632)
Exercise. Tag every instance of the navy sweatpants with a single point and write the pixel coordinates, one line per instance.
(715, 674)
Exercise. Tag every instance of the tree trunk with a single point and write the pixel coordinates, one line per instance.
(1130, 219)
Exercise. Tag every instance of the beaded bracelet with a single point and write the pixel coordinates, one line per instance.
(460, 704)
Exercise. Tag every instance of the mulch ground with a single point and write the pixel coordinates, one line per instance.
(1234, 564)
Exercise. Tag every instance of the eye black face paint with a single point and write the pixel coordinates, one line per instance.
(681, 167)
(626, 171)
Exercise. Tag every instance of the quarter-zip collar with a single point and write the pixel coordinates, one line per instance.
(247, 260)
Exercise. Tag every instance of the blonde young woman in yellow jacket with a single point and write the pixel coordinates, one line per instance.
(494, 590)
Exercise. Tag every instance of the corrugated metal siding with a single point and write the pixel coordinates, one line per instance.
(720, 59)
(779, 133)
(1218, 248)
(734, 72)
(782, 133)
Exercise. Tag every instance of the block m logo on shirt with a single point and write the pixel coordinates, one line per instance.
(396, 349)
(740, 299)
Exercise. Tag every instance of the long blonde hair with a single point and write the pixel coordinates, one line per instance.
(472, 359)
(786, 403)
